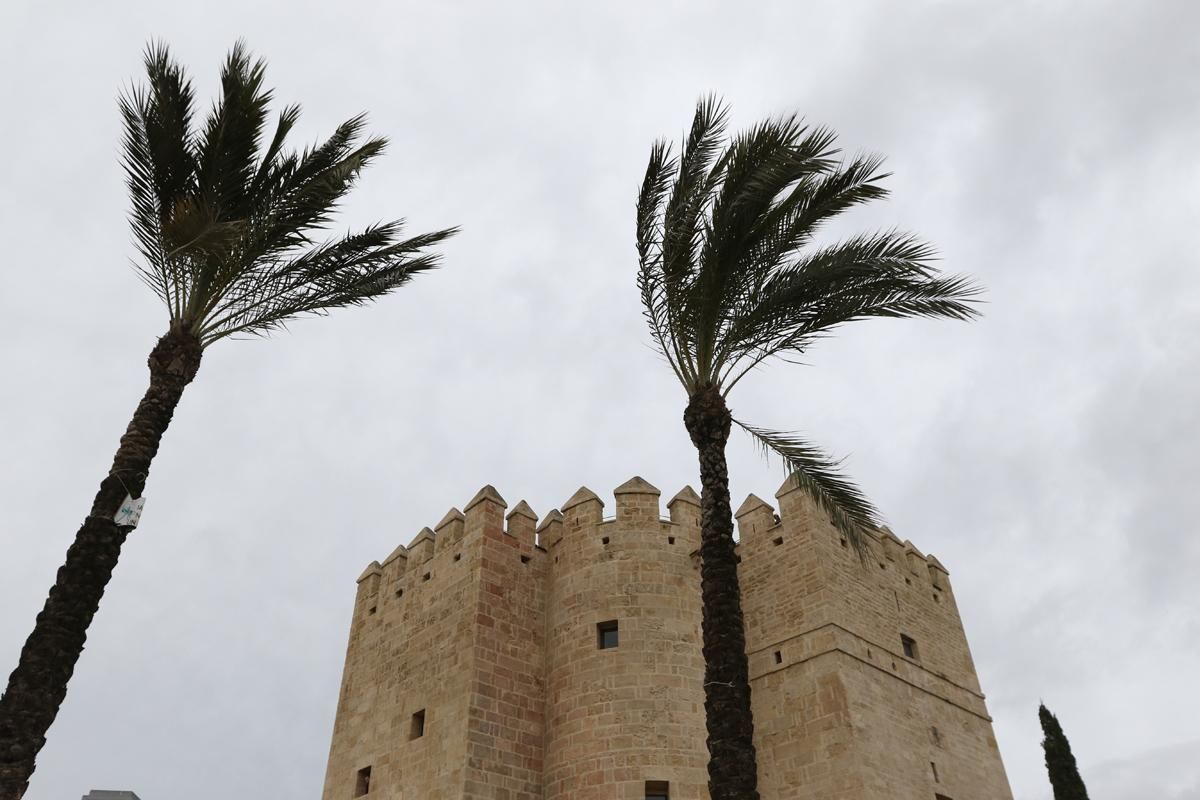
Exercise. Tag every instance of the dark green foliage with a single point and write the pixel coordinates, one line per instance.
(1060, 764)
(226, 232)
(227, 228)
(729, 277)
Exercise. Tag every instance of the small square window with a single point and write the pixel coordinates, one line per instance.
(417, 728)
(362, 782)
(658, 790)
(606, 635)
(778, 657)
(426, 576)
(604, 540)
(670, 540)
(778, 540)
(524, 559)
(910, 647)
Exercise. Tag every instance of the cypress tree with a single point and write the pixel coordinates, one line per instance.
(1064, 774)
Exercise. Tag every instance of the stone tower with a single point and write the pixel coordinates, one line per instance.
(496, 658)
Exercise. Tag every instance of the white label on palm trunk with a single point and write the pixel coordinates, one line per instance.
(130, 512)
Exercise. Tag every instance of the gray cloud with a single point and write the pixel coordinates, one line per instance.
(1045, 454)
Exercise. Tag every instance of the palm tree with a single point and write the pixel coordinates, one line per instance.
(729, 278)
(225, 228)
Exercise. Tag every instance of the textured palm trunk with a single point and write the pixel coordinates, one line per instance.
(38, 685)
(732, 764)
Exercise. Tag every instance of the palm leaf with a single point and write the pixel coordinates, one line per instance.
(818, 476)
(230, 231)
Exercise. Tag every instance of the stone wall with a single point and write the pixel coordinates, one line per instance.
(840, 709)
(492, 630)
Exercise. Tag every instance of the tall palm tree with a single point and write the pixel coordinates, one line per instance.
(227, 232)
(729, 278)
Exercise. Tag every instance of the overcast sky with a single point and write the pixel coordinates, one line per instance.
(1047, 454)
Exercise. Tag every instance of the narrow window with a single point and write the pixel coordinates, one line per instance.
(933, 767)
(936, 735)
(524, 559)
(362, 784)
(910, 647)
(670, 540)
(417, 729)
(606, 634)
(658, 790)
(778, 540)
(778, 657)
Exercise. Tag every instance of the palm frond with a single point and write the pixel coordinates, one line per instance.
(229, 231)
(227, 150)
(726, 274)
(699, 172)
(651, 277)
(818, 476)
(349, 271)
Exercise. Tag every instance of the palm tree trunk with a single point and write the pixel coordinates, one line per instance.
(38, 685)
(732, 763)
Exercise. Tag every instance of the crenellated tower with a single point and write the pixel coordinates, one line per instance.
(499, 657)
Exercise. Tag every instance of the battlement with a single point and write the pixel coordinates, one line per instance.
(637, 503)
(559, 656)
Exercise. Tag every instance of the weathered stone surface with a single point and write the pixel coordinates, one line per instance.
(496, 640)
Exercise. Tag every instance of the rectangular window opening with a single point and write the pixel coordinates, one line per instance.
(417, 729)
(606, 635)
(910, 647)
(670, 540)
(658, 790)
(524, 559)
(604, 540)
(778, 657)
(778, 540)
(362, 783)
